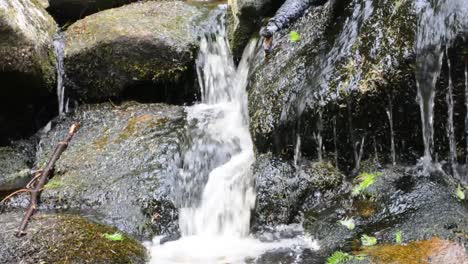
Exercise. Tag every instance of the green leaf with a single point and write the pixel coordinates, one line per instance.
(114, 237)
(368, 241)
(338, 257)
(398, 237)
(364, 181)
(348, 223)
(460, 193)
(294, 36)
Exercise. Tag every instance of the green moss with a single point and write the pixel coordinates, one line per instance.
(139, 123)
(53, 184)
(339, 257)
(72, 239)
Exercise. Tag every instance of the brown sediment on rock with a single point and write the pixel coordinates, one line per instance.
(434, 250)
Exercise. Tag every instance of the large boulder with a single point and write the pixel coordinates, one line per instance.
(347, 65)
(65, 239)
(119, 166)
(26, 41)
(27, 67)
(145, 49)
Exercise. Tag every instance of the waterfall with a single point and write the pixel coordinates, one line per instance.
(439, 23)
(228, 196)
(297, 152)
(215, 187)
(59, 54)
(466, 108)
(389, 112)
(450, 126)
(318, 135)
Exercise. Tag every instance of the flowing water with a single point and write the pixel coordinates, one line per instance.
(439, 23)
(321, 74)
(450, 125)
(466, 109)
(215, 188)
(59, 54)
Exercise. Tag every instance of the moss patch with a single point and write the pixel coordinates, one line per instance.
(72, 239)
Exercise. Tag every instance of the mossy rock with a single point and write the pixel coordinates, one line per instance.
(65, 239)
(118, 49)
(332, 57)
(118, 167)
(26, 36)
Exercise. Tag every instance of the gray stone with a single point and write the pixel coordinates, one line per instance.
(115, 51)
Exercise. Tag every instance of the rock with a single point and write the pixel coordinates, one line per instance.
(283, 192)
(27, 70)
(26, 43)
(118, 168)
(353, 62)
(58, 238)
(15, 165)
(245, 19)
(336, 55)
(277, 76)
(139, 50)
(68, 11)
(399, 201)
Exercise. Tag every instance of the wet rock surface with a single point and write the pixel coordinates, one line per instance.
(64, 239)
(283, 190)
(118, 168)
(399, 201)
(341, 58)
(421, 208)
(142, 51)
(16, 162)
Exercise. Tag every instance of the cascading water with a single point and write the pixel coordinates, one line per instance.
(439, 23)
(450, 125)
(59, 54)
(215, 190)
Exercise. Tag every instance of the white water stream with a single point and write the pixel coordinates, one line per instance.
(216, 185)
(439, 23)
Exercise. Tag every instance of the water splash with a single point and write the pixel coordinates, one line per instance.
(59, 54)
(439, 23)
(215, 190)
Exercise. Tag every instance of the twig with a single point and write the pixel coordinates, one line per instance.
(13, 194)
(35, 191)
